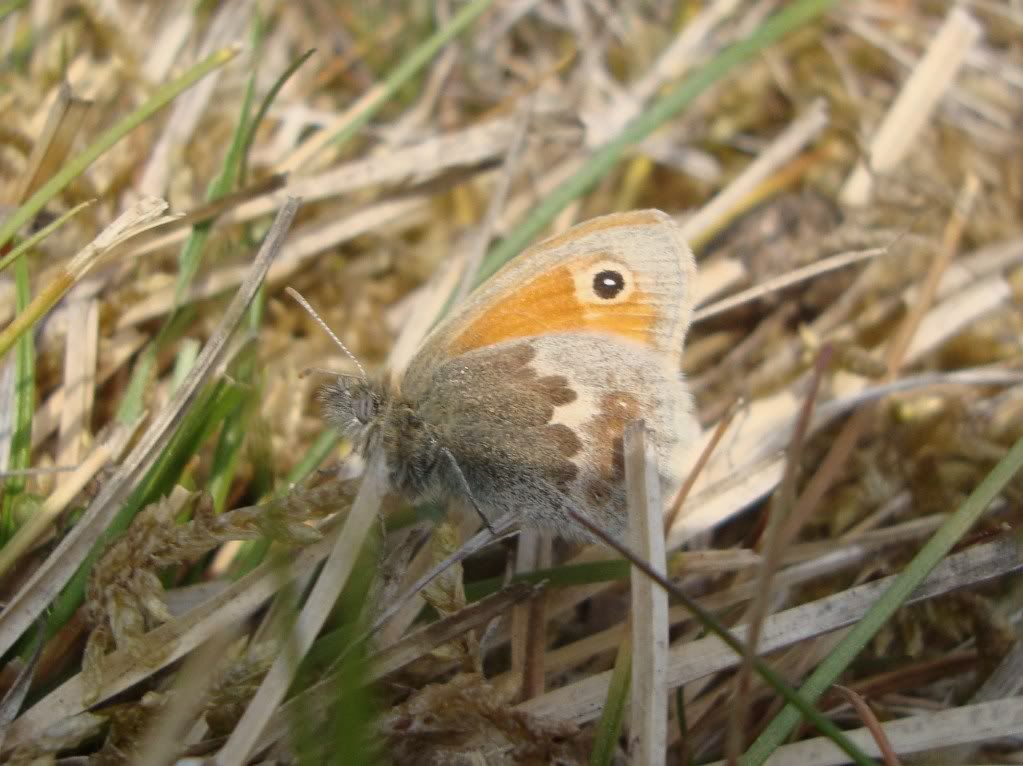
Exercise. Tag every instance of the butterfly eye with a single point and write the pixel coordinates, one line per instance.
(608, 284)
(364, 408)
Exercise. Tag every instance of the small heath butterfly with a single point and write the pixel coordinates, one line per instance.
(517, 401)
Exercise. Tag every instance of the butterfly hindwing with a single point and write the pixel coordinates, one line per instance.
(534, 421)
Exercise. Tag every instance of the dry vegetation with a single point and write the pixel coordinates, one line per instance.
(863, 174)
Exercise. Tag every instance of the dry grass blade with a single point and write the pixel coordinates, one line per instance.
(47, 581)
(146, 213)
(79, 380)
(792, 140)
(314, 614)
(826, 562)
(169, 642)
(787, 280)
(396, 656)
(529, 621)
(15, 695)
(983, 722)
(226, 27)
(708, 450)
(915, 104)
(773, 548)
(580, 701)
(55, 504)
(648, 730)
(762, 466)
(418, 642)
(481, 241)
(306, 242)
(895, 355)
(346, 124)
(926, 560)
(722, 633)
(1006, 681)
(54, 142)
(186, 701)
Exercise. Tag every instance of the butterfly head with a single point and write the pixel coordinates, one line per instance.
(372, 416)
(354, 405)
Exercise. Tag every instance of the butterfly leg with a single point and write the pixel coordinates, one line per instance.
(465, 487)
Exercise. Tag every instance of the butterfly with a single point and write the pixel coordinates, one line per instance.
(516, 402)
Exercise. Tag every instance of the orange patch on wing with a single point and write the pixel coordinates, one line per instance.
(634, 218)
(548, 304)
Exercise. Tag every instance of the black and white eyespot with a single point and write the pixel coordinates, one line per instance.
(604, 282)
(608, 283)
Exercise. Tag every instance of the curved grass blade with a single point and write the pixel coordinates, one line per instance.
(264, 107)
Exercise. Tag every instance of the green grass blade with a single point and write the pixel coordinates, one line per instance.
(226, 457)
(133, 401)
(42, 234)
(352, 714)
(78, 164)
(564, 576)
(24, 406)
(188, 264)
(232, 435)
(223, 183)
(184, 361)
(132, 404)
(794, 15)
(325, 443)
(849, 647)
(231, 440)
(715, 626)
(683, 727)
(612, 717)
(264, 107)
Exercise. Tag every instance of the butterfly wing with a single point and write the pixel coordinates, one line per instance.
(531, 381)
(536, 423)
(628, 275)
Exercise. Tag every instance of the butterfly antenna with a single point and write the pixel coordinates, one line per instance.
(312, 312)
